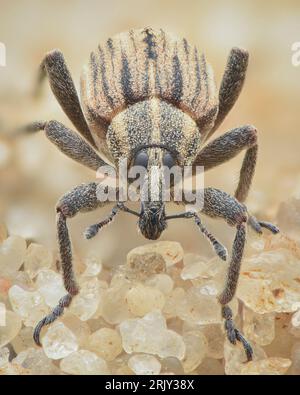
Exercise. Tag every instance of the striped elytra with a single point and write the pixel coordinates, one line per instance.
(146, 86)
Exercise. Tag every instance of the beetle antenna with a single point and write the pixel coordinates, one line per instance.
(218, 247)
(92, 230)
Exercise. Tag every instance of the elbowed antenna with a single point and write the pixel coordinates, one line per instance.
(218, 247)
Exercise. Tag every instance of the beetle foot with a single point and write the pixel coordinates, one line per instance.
(258, 225)
(64, 302)
(234, 334)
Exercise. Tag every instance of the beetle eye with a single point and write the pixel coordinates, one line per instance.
(141, 159)
(168, 160)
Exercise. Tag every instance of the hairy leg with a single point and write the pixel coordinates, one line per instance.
(227, 147)
(54, 66)
(82, 198)
(232, 84)
(234, 334)
(218, 204)
(69, 143)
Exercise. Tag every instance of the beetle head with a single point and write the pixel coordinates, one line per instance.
(152, 218)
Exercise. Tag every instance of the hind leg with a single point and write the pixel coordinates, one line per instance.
(54, 66)
(232, 83)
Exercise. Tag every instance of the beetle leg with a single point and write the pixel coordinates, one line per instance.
(258, 225)
(232, 84)
(225, 148)
(218, 204)
(234, 334)
(64, 302)
(54, 66)
(68, 142)
(82, 198)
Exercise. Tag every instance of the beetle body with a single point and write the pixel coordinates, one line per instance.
(151, 99)
(146, 86)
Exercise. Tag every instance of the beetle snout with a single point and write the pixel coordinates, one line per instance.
(152, 220)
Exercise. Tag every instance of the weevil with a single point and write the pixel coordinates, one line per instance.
(151, 98)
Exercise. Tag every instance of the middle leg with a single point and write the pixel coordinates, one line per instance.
(68, 142)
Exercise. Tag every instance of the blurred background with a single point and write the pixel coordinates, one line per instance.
(34, 174)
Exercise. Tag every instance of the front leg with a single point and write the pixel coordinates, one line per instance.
(82, 198)
(221, 205)
(218, 204)
(227, 147)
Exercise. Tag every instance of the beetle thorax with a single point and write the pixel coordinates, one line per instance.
(153, 121)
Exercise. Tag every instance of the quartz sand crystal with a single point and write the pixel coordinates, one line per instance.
(195, 350)
(12, 255)
(36, 259)
(10, 327)
(154, 313)
(106, 342)
(142, 299)
(144, 364)
(86, 303)
(50, 286)
(36, 361)
(84, 362)
(268, 366)
(270, 280)
(30, 305)
(259, 327)
(59, 342)
(150, 335)
(295, 355)
(295, 324)
(154, 258)
(24, 340)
